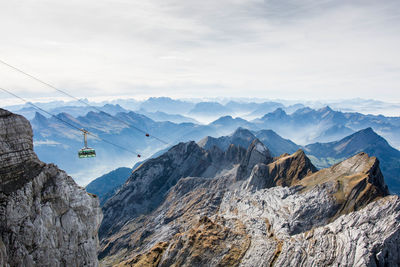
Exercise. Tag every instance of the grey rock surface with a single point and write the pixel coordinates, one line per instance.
(46, 219)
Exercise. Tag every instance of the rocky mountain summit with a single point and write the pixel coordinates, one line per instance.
(366, 140)
(243, 137)
(45, 218)
(196, 206)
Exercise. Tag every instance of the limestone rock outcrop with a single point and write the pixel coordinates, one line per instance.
(46, 219)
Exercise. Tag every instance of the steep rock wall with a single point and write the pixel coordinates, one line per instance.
(46, 219)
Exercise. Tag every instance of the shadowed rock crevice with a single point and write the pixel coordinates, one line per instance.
(19, 164)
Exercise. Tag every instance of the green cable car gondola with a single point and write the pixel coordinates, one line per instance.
(86, 152)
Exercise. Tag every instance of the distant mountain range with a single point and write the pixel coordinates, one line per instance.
(295, 121)
(74, 111)
(307, 125)
(210, 109)
(241, 106)
(303, 126)
(167, 105)
(162, 116)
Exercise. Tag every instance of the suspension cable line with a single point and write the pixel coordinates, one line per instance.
(70, 124)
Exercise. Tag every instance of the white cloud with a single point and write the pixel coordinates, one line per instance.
(46, 142)
(278, 49)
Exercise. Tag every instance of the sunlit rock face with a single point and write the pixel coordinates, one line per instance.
(256, 211)
(46, 219)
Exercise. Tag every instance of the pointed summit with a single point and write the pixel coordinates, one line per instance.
(278, 114)
(365, 140)
(367, 131)
(229, 121)
(65, 116)
(243, 134)
(367, 137)
(325, 109)
(39, 120)
(241, 137)
(256, 153)
(39, 117)
(223, 119)
(304, 110)
(275, 143)
(279, 111)
(284, 171)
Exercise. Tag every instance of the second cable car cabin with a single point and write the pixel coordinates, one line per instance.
(86, 152)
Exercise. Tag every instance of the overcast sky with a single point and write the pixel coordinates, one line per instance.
(288, 49)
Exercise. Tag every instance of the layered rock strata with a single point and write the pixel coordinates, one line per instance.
(46, 219)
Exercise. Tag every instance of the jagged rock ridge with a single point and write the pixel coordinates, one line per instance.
(45, 218)
(149, 183)
(257, 211)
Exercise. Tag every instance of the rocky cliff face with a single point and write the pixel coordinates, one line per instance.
(256, 211)
(147, 187)
(45, 218)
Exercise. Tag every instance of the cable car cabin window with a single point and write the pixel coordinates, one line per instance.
(87, 153)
